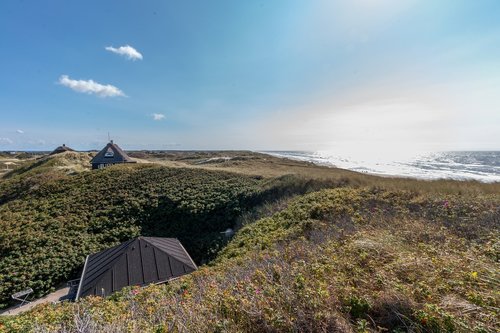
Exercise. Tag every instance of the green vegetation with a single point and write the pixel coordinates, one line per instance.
(46, 232)
(49, 221)
(360, 256)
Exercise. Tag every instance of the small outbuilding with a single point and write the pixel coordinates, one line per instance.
(110, 155)
(139, 261)
(61, 149)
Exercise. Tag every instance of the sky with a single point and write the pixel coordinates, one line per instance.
(379, 76)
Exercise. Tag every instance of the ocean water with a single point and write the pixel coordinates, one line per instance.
(482, 166)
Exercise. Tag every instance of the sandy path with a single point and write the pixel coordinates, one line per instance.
(56, 296)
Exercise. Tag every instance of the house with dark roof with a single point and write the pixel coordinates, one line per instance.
(139, 261)
(61, 149)
(109, 155)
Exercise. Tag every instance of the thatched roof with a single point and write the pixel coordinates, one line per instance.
(139, 261)
(111, 154)
(61, 149)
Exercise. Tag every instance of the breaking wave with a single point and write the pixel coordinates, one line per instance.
(483, 166)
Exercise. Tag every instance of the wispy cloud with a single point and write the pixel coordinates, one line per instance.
(158, 116)
(38, 142)
(90, 87)
(6, 141)
(20, 131)
(127, 51)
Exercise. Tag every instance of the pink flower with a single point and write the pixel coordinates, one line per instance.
(446, 204)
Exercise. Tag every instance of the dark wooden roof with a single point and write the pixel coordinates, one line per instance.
(139, 261)
(61, 149)
(111, 154)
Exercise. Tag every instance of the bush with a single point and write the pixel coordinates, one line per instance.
(339, 260)
(48, 228)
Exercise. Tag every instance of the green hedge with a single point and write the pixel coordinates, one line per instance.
(49, 224)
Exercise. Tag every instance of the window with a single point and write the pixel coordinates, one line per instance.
(109, 153)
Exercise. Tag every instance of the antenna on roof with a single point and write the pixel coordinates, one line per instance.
(109, 138)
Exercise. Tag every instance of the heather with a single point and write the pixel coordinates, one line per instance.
(52, 216)
(342, 259)
(316, 249)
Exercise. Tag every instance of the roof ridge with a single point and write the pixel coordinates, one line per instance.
(151, 240)
(98, 265)
(119, 156)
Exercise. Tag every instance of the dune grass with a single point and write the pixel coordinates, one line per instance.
(368, 254)
(51, 219)
(337, 260)
(258, 164)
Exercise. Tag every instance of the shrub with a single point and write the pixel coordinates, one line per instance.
(339, 260)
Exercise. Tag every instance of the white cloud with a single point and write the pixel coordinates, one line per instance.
(91, 87)
(38, 142)
(20, 131)
(6, 141)
(127, 51)
(158, 116)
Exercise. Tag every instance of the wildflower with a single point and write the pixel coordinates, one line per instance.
(446, 204)
(473, 275)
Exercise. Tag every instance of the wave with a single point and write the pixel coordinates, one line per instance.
(482, 166)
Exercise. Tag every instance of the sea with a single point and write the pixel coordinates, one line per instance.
(483, 166)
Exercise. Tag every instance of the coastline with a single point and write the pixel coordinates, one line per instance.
(421, 167)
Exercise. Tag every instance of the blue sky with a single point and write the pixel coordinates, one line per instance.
(299, 75)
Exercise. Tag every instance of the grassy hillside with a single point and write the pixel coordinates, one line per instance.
(50, 220)
(9, 162)
(251, 163)
(68, 162)
(368, 254)
(47, 231)
(345, 260)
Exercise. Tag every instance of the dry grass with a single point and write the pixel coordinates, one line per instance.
(378, 255)
(337, 260)
(258, 164)
(65, 163)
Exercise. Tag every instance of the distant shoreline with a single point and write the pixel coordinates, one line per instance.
(482, 166)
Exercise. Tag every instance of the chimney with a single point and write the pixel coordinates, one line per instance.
(111, 141)
(64, 145)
